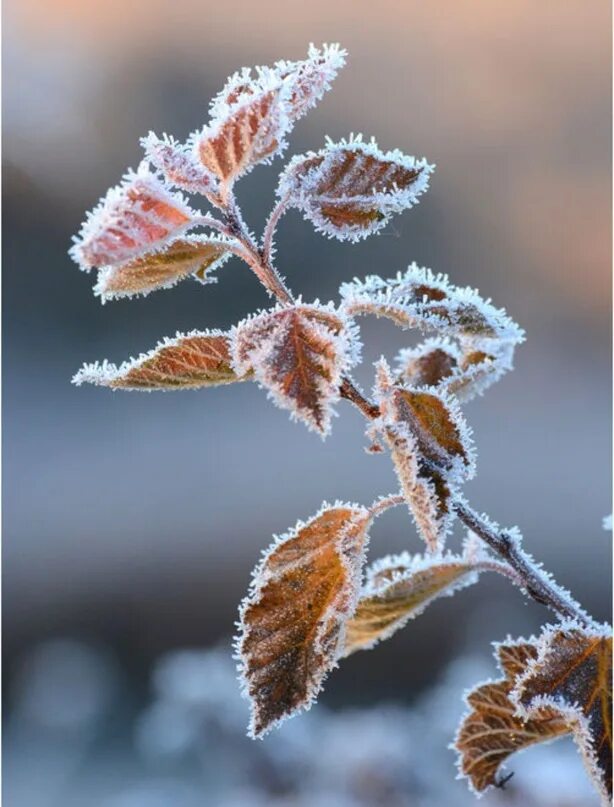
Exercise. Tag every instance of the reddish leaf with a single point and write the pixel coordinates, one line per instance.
(572, 676)
(292, 623)
(196, 359)
(136, 217)
(190, 255)
(492, 730)
(351, 189)
(249, 132)
(299, 354)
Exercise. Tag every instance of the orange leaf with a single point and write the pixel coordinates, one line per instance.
(351, 189)
(492, 730)
(399, 588)
(196, 359)
(572, 676)
(250, 131)
(136, 217)
(299, 354)
(292, 623)
(190, 255)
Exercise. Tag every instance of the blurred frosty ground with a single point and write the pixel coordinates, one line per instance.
(69, 743)
(133, 521)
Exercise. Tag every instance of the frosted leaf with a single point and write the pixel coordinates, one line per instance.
(492, 730)
(179, 164)
(399, 588)
(134, 218)
(460, 371)
(429, 364)
(189, 361)
(350, 189)
(196, 255)
(243, 134)
(292, 623)
(431, 448)
(306, 81)
(298, 354)
(572, 676)
(418, 298)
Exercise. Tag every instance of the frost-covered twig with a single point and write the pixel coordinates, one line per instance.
(538, 584)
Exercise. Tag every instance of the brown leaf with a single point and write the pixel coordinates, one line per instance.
(427, 365)
(292, 623)
(193, 360)
(190, 255)
(572, 675)
(134, 218)
(351, 189)
(492, 730)
(420, 299)
(463, 372)
(297, 353)
(243, 135)
(440, 434)
(431, 450)
(399, 589)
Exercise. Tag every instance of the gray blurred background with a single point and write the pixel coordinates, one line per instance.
(133, 521)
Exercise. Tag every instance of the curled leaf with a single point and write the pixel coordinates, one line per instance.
(189, 361)
(571, 675)
(134, 218)
(460, 371)
(179, 164)
(419, 298)
(349, 190)
(492, 730)
(399, 588)
(298, 354)
(198, 256)
(428, 365)
(292, 623)
(431, 448)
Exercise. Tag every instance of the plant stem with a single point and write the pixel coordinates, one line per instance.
(260, 265)
(534, 582)
(516, 565)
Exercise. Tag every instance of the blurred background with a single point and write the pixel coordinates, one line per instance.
(132, 522)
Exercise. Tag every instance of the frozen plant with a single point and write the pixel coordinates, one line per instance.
(311, 602)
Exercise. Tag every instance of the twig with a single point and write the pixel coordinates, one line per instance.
(271, 225)
(534, 582)
(517, 565)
